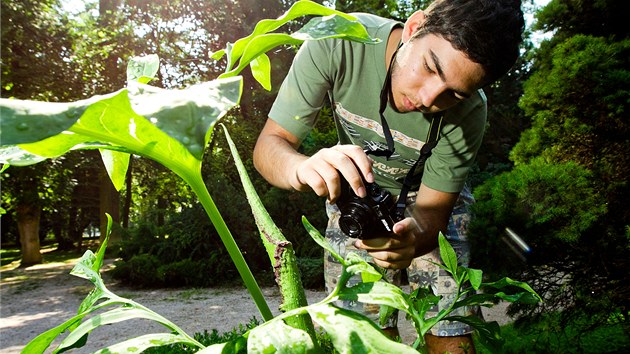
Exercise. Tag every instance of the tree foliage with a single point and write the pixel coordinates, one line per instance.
(566, 196)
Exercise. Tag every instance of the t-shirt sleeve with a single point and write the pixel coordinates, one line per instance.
(448, 167)
(304, 89)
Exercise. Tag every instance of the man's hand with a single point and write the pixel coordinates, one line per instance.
(321, 172)
(396, 250)
(277, 159)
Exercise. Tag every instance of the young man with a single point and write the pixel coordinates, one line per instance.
(422, 85)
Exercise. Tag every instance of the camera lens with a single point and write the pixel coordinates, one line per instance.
(354, 220)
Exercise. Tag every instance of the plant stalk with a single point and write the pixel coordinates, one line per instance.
(199, 188)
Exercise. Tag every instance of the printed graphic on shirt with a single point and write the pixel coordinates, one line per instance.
(348, 119)
(351, 122)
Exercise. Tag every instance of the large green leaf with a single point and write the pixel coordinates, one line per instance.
(334, 26)
(449, 258)
(116, 164)
(277, 337)
(298, 9)
(321, 241)
(187, 115)
(355, 264)
(507, 283)
(139, 344)
(261, 69)
(143, 69)
(109, 317)
(330, 24)
(14, 156)
(26, 121)
(381, 293)
(354, 333)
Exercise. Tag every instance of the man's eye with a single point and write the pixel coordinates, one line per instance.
(428, 69)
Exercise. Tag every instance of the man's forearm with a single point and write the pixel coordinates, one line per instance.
(276, 160)
(431, 213)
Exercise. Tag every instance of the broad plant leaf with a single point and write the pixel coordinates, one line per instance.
(297, 10)
(261, 69)
(449, 258)
(143, 69)
(321, 241)
(277, 337)
(381, 293)
(14, 156)
(355, 264)
(354, 333)
(109, 317)
(116, 164)
(334, 26)
(139, 344)
(507, 283)
(329, 24)
(25, 121)
(187, 115)
(475, 276)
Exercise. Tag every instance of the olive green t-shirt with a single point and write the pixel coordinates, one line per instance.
(352, 75)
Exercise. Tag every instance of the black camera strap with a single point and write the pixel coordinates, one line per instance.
(431, 141)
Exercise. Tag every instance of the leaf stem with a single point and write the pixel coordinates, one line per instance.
(198, 186)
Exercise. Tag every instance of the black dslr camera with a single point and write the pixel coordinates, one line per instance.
(369, 217)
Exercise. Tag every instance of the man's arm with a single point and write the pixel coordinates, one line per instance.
(276, 158)
(416, 235)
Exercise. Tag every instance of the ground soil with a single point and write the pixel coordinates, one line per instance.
(37, 298)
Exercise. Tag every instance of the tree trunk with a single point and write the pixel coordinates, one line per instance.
(109, 204)
(28, 227)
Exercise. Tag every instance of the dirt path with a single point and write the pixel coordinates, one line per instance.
(37, 298)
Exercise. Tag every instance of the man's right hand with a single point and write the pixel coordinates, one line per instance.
(323, 171)
(278, 161)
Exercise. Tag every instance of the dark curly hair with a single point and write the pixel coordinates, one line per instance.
(488, 31)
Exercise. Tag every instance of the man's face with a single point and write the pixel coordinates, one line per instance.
(429, 75)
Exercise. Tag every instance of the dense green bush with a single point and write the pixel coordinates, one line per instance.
(551, 334)
(312, 270)
(552, 206)
(184, 252)
(574, 261)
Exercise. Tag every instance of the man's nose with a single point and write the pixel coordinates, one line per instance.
(431, 92)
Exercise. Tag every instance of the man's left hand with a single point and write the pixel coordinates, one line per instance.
(396, 250)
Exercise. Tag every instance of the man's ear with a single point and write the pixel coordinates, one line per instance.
(412, 24)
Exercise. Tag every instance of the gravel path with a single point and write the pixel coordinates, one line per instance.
(37, 298)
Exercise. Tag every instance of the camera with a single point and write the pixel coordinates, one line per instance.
(368, 217)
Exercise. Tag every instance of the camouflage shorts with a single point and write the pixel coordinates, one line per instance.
(420, 273)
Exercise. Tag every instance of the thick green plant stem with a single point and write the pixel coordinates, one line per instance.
(280, 251)
(202, 193)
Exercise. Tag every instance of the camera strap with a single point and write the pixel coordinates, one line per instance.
(410, 179)
(433, 135)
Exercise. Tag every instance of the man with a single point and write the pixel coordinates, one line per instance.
(422, 85)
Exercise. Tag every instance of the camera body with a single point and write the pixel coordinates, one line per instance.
(369, 217)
